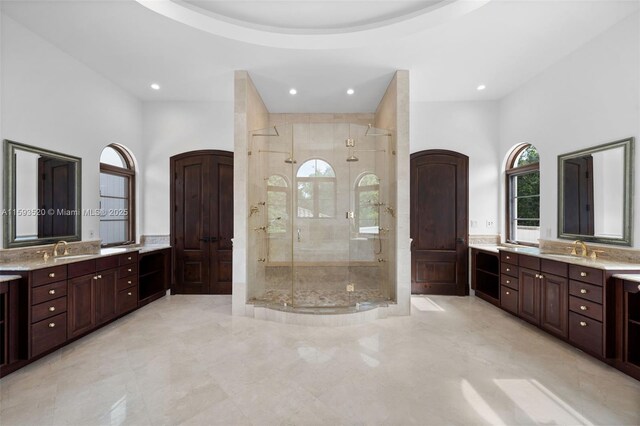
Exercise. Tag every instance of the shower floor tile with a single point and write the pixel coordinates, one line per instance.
(320, 298)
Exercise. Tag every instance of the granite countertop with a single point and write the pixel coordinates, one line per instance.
(30, 265)
(567, 258)
(5, 278)
(628, 277)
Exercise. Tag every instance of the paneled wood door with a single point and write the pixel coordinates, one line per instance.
(202, 221)
(554, 311)
(529, 296)
(439, 217)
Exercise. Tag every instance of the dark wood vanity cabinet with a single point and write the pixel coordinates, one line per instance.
(81, 304)
(509, 285)
(485, 278)
(628, 327)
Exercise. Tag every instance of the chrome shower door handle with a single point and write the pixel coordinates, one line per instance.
(298, 234)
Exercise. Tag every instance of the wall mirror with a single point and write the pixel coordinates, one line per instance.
(595, 194)
(42, 196)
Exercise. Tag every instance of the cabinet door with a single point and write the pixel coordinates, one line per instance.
(81, 306)
(554, 307)
(529, 296)
(105, 295)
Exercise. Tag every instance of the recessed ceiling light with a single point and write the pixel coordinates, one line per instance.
(292, 91)
(350, 91)
(155, 86)
(481, 87)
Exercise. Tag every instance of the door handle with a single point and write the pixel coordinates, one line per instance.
(460, 240)
(206, 239)
(213, 239)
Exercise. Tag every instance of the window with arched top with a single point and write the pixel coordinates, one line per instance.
(316, 189)
(117, 196)
(367, 195)
(277, 204)
(523, 195)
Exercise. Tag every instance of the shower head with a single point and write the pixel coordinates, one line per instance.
(352, 158)
(290, 160)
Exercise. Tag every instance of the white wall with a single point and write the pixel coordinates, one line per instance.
(589, 98)
(171, 128)
(51, 100)
(470, 128)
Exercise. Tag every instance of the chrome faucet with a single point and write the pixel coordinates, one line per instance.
(55, 249)
(583, 248)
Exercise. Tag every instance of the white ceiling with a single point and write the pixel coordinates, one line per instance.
(502, 44)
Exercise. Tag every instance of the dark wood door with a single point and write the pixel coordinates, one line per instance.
(57, 191)
(105, 291)
(554, 304)
(578, 196)
(439, 217)
(81, 304)
(529, 296)
(202, 221)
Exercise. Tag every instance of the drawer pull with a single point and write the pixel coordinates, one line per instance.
(638, 286)
(508, 269)
(583, 274)
(508, 257)
(583, 308)
(508, 281)
(52, 274)
(52, 292)
(129, 294)
(95, 277)
(583, 291)
(583, 324)
(537, 275)
(129, 270)
(52, 324)
(129, 258)
(507, 293)
(129, 282)
(52, 308)
(541, 276)
(99, 276)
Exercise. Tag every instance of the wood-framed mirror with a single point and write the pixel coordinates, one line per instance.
(42, 190)
(595, 193)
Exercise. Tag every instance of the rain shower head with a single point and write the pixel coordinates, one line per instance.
(352, 158)
(290, 160)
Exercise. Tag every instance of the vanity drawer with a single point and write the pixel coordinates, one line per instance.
(631, 287)
(48, 334)
(128, 270)
(107, 262)
(509, 299)
(49, 275)
(530, 262)
(79, 269)
(554, 268)
(509, 281)
(588, 275)
(127, 300)
(48, 292)
(48, 309)
(586, 308)
(585, 291)
(126, 282)
(127, 258)
(508, 257)
(508, 269)
(586, 333)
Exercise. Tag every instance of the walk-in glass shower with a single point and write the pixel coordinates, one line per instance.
(320, 218)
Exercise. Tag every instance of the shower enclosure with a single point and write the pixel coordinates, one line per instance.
(320, 217)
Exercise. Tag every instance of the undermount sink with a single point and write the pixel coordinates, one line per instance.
(74, 257)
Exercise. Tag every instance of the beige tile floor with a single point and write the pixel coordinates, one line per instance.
(186, 360)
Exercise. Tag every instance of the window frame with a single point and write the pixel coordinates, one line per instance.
(512, 172)
(130, 173)
(358, 190)
(315, 181)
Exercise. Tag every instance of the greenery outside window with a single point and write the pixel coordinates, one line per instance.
(523, 196)
(117, 197)
(277, 204)
(316, 190)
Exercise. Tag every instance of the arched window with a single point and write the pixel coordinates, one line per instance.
(523, 195)
(367, 207)
(117, 196)
(277, 204)
(316, 189)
